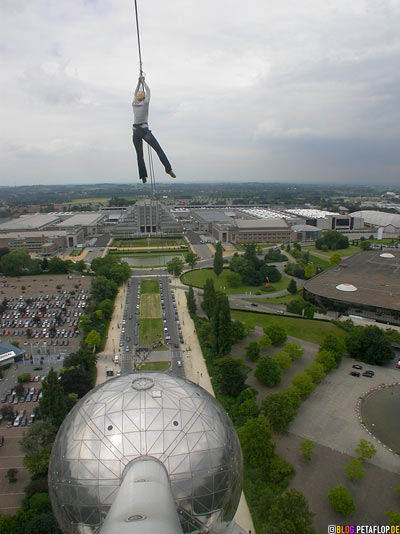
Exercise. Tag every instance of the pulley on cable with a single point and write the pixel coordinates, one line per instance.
(141, 131)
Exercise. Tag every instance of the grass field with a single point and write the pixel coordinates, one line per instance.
(150, 306)
(150, 331)
(150, 325)
(307, 329)
(318, 261)
(76, 252)
(343, 251)
(154, 366)
(149, 286)
(284, 299)
(198, 277)
(89, 200)
(151, 242)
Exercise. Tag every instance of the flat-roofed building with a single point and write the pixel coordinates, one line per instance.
(305, 232)
(42, 242)
(91, 223)
(27, 223)
(327, 220)
(260, 231)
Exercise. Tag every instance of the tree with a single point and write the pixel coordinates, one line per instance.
(175, 267)
(335, 345)
(36, 444)
(42, 524)
(365, 245)
(233, 279)
(341, 500)
(107, 307)
(265, 342)
(306, 447)
(276, 333)
(240, 330)
(221, 326)
(326, 359)
(79, 266)
(293, 393)
(332, 240)
(52, 404)
(191, 302)
(316, 371)
(354, 469)
(292, 287)
(365, 449)
(303, 382)
(76, 381)
(93, 339)
(218, 259)
(370, 345)
(255, 440)
(283, 360)
(57, 266)
(279, 410)
(294, 349)
(335, 258)
(252, 351)
(394, 518)
(309, 271)
(209, 298)
(103, 289)
(290, 514)
(268, 371)
(231, 375)
(192, 259)
(16, 262)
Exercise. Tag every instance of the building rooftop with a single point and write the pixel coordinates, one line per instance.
(264, 213)
(211, 215)
(39, 233)
(305, 228)
(82, 219)
(29, 222)
(261, 223)
(375, 277)
(378, 218)
(310, 213)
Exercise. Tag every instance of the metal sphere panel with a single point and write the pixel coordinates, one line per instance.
(146, 414)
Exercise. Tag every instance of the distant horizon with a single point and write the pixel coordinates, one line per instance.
(209, 182)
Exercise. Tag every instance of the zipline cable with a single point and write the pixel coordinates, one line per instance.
(138, 38)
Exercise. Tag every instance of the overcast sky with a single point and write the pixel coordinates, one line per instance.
(258, 90)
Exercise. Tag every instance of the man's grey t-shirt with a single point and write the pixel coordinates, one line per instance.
(141, 109)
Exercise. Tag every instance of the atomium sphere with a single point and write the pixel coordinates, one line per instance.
(153, 415)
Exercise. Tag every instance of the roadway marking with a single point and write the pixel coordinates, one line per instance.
(7, 494)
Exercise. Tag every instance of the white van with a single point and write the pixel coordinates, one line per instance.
(116, 358)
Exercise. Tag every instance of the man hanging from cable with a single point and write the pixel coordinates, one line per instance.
(141, 130)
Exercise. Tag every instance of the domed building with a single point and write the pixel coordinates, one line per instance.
(146, 452)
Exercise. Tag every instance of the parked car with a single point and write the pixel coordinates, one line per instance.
(354, 373)
(369, 374)
(356, 366)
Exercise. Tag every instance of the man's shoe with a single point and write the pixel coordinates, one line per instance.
(144, 179)
(171, 173)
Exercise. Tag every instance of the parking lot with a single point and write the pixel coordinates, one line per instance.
(23, 405)
(42, 313)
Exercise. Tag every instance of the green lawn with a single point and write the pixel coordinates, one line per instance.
(343, 251)
(149, 286)
(76, 252)
(154, 366)
(150, 331)
(198, 277)
(150, 307)
(284, 299)
(307, 329)
(319, 262)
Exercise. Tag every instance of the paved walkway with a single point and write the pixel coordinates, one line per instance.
(196, 371)
(112, 342)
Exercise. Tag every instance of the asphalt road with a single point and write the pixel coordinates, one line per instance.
(130, 337)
